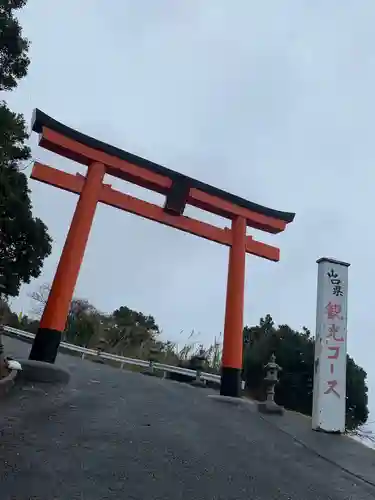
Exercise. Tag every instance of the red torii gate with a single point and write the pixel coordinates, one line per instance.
(179, 190)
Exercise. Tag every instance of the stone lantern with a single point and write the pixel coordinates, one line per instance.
(153, 356)
(271, 379)
(199, 361)
(100, 347)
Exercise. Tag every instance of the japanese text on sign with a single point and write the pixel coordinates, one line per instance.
(336, 283)
(334, 338)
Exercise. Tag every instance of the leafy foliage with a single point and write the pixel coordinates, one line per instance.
(133, 327)
(24, 241)
(13, 135)
(295, 354)
(14, 47)
(123, 330)
(10, 318)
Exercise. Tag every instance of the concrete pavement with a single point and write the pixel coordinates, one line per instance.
(114, 434)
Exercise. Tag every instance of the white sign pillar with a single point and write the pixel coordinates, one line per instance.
(329, 397)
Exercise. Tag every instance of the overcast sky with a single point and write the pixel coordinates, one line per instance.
(271, 100)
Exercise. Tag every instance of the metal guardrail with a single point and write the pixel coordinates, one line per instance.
(209, 377)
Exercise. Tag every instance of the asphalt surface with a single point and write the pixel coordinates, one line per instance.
(114, 434)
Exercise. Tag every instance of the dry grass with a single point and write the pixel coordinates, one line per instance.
(170, 354)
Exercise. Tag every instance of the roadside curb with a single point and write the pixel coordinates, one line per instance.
(40, 371)
(240, 401)
(349, 455)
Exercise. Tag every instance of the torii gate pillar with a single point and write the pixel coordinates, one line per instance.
(233, 326)
(53, 320)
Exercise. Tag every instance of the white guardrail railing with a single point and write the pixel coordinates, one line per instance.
(209, 377)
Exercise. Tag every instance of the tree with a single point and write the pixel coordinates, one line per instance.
(14, 60)
(255, 333)
(122, 330)
(24, 241)
(295, 354)
(6, 315)
(84, 323)
(25, 323)
(131, 328)
(13, 135)
(40, 297)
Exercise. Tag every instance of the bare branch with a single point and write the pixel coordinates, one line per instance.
(40, 297)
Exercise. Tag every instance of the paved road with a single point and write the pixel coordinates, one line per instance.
(114, 435)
